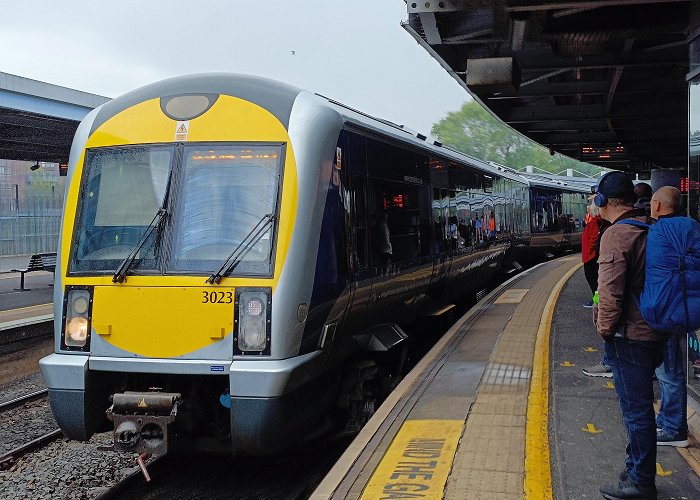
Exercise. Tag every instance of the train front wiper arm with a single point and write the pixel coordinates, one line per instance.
(121, 271)
(249, 240)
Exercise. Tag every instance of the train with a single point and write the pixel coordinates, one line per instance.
(238, 260)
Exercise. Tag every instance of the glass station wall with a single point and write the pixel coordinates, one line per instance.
(31, 203)
(692, 185)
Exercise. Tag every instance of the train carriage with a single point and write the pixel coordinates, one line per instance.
(237, 258)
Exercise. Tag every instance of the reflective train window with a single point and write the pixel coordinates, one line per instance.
(463, 210)
(398, 205)
(546, 210)
(355, 160)
(227, 190)
(123, 188)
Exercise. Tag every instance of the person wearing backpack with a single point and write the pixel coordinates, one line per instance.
(632, 347)
(671, 422)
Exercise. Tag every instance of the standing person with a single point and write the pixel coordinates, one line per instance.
(385, 249)
(643, 193)
(632, 348)
(590, 250)
(590, 247)
(671, 422)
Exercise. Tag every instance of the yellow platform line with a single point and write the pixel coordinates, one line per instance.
(538, 474)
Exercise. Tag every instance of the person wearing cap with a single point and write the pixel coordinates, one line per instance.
(632, 348)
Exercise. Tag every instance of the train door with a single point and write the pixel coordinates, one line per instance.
(354, 173)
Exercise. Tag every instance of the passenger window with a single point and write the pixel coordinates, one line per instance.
(360, 216)
(547, 215)
(398, 204)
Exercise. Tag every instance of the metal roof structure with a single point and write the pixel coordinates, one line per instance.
(601, 81)
(38, 120)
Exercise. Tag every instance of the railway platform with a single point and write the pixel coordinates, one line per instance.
(501, 409)
(19, 308)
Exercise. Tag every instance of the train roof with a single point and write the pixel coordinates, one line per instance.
(278, 98)
(363, 121)
(540, 180)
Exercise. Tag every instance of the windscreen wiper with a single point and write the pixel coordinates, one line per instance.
(120, 273)
(249, 240)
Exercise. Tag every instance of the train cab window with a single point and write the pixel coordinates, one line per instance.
(123, 188)
(227, 190)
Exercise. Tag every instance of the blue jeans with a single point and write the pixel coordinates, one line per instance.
(672, 416)
(633, 365)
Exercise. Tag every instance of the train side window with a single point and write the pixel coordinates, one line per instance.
(547, 211)
(441, 204)
(463, 212)
(360, 216)
(355, 166)
(398, 216)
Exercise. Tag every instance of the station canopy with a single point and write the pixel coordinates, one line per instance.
(599, 81)
(38, 120)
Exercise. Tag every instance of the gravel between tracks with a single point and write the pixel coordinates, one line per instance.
(66, 470)
(62, 470)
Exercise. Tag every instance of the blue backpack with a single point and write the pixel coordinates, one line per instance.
(670, 301)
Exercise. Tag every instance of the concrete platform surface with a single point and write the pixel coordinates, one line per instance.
(490, 412)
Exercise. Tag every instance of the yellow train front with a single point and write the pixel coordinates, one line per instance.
(185, 246)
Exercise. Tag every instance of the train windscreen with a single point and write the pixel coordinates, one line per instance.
(212, 195)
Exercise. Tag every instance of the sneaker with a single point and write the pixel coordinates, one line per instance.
(588, 305)
(628, 489)
(599, 370)
(663, 438)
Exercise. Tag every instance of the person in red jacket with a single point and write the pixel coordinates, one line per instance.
(590, 248)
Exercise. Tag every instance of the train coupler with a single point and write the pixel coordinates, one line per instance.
(141, 421)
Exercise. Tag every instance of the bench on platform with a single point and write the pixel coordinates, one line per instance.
(37, 262)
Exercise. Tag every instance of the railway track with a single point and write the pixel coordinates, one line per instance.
(292, 476)
(9, 458)
(22, 400)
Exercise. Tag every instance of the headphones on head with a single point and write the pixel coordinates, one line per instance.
(600, 199)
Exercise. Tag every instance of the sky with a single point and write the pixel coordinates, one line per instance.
(354, 51)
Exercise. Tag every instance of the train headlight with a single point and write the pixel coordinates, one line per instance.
(76, 331)
(253, 321)
(76, 324)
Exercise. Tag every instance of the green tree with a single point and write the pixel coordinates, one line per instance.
(475, 132)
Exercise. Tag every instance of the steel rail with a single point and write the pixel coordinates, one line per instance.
(12, 456)
(27, 398)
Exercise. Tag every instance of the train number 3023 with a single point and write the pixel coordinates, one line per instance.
(217, 297)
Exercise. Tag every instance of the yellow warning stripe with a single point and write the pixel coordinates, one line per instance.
(418, 461)
(538, 474)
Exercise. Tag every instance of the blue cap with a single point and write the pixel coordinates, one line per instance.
(616, 184)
